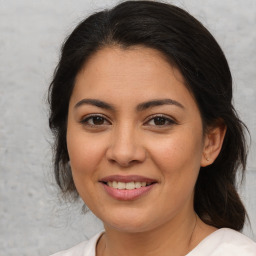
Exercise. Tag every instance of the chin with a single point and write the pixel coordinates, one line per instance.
(127, 227)
(129, 223)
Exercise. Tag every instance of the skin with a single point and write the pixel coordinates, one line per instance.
(126, 141)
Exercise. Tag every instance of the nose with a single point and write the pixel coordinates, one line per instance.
(126, 148)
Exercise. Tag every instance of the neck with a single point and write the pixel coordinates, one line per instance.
(179, 236)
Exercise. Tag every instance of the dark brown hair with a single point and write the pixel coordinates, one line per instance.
(188, 45)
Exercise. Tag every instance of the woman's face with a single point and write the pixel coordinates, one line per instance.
(134, 138)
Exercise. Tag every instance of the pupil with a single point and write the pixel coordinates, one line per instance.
(97, 120)
(159, 121)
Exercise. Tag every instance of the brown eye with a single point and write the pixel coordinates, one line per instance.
(95, 120)
(160, 121)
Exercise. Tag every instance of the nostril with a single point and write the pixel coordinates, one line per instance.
(126, 153)
(124, 163)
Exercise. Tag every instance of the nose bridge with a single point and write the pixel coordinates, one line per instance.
(126, 147)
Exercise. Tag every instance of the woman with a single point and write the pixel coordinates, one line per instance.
(147, 136)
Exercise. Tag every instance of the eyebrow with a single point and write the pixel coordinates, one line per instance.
(94, 102)
(155, 103)
(141, 107)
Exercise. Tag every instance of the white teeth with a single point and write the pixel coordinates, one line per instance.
(128, 185)
(114, 184)
(121, 185)
(137, 184)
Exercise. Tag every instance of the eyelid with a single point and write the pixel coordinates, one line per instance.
(171, 120)
(85, 118)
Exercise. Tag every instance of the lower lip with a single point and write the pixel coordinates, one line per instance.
(127, 194)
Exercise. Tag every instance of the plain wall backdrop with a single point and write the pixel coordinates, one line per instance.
(33, 221)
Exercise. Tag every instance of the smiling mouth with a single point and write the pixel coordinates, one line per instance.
(128, 185)
(127, 188)
(128, 182)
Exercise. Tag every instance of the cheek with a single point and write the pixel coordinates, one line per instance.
(178, 160)
(84, 152)
(178, 155)
(85, 155)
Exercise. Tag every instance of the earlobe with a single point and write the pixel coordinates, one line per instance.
(213, 143)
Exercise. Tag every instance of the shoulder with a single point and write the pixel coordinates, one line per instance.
(86, 248)
(226, 242)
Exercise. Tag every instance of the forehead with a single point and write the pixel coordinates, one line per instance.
(136, 60)
(128, 74)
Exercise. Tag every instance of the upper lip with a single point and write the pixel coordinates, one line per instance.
(127, 178)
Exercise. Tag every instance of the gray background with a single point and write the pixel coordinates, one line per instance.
(33, 220)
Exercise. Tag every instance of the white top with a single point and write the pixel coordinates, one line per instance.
(223, 242)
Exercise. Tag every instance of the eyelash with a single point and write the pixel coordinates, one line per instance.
(85, 121)
(164, 118)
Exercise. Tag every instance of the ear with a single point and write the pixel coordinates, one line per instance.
(213, 142)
